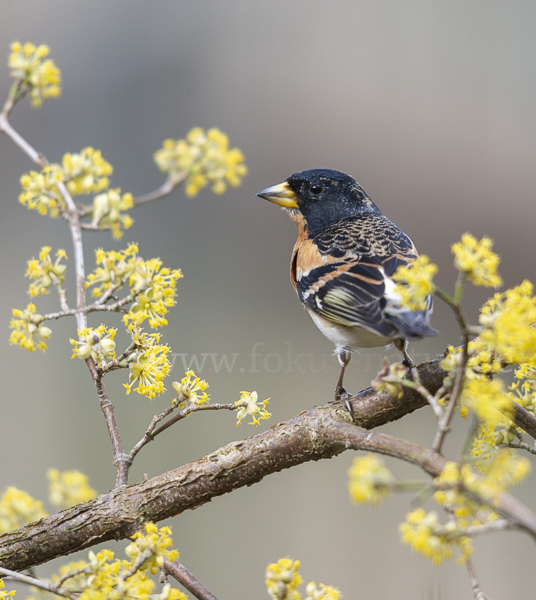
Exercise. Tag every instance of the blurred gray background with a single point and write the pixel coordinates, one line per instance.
(430, 105)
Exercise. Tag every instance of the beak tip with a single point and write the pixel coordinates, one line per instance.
(280, 194)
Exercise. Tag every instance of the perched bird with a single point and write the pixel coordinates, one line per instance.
(343, 262)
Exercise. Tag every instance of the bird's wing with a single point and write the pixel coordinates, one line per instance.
(350, 294)
(342, 273)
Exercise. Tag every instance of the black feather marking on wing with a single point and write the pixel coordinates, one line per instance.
(350, 294)
(370, 234)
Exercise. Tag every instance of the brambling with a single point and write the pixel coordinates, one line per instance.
(343, 262)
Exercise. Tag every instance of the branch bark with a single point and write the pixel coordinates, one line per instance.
(322, 432)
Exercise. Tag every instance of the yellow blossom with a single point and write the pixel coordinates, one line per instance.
(3, 593)
(17, 508)
(40, 191)
(97, 343)
(325, 592)
(151, 548)
(155, 289)
(203, 158)
(501, 472)
(40, 79)
(390, 379)
(477, 260)
(68, 488)
(254, 408)
(370, 481)
(85, 172)
(28, 329)
(45, 272)
(192, 387)
(116, 268)
(454, 480)
(149, 367)
(282, 579)
(415, 282)
(108, 211)
(425, 534)
(486, 398)
(486, 440)
(508, 321)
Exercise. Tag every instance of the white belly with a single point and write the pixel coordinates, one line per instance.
(348, 338)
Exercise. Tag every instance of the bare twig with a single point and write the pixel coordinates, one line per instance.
(475, 584)
(188, 580)
(122, 461)
(443, 426)
(49, 587)
(192, 408)
(164, 190)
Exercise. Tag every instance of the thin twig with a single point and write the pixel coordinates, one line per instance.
(521, 446)
(164, 190)
(475, 584)
(122, 461)
(72, 215)
(443, 426)
(192, 408)
(188, 580)
(49, 587)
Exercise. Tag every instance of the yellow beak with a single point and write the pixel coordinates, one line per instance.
(280, 194)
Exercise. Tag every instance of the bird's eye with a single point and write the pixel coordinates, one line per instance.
(316, 188)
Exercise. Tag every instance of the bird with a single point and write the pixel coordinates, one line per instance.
(343, 262)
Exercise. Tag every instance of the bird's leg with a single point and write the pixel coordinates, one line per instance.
(402, 345)
(344, 358)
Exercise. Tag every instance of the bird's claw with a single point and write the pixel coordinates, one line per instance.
(339, 391)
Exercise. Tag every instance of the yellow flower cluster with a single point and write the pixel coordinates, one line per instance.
(152, 287)
(106, 578)
(204, 158)
(28, 329)
(68, 488)
(496, 474)
(17, 508)
(3, 593)
(148, 365)
(97, 343)
(370, 481)
(415, 282)
(477, 260)
(155, 289)
(450, 484)
(85, 172)
(390, 379)
(40, 191)
(40, 79)
(192, 387)
(254, 408)
(425, 534)
(151, 548)
(324, 592)
(508, 326)
(501, 472)
(115, 270)
(282, 579)
(44, 272)
(487, 399)
(107, 211)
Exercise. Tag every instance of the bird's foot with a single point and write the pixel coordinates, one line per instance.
(339, 391)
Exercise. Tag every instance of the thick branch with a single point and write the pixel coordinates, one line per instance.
(319, 433)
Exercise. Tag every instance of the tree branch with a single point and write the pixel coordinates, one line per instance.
(316, 434)
(188, 580)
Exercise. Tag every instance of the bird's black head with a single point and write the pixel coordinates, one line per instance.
(320, 197)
